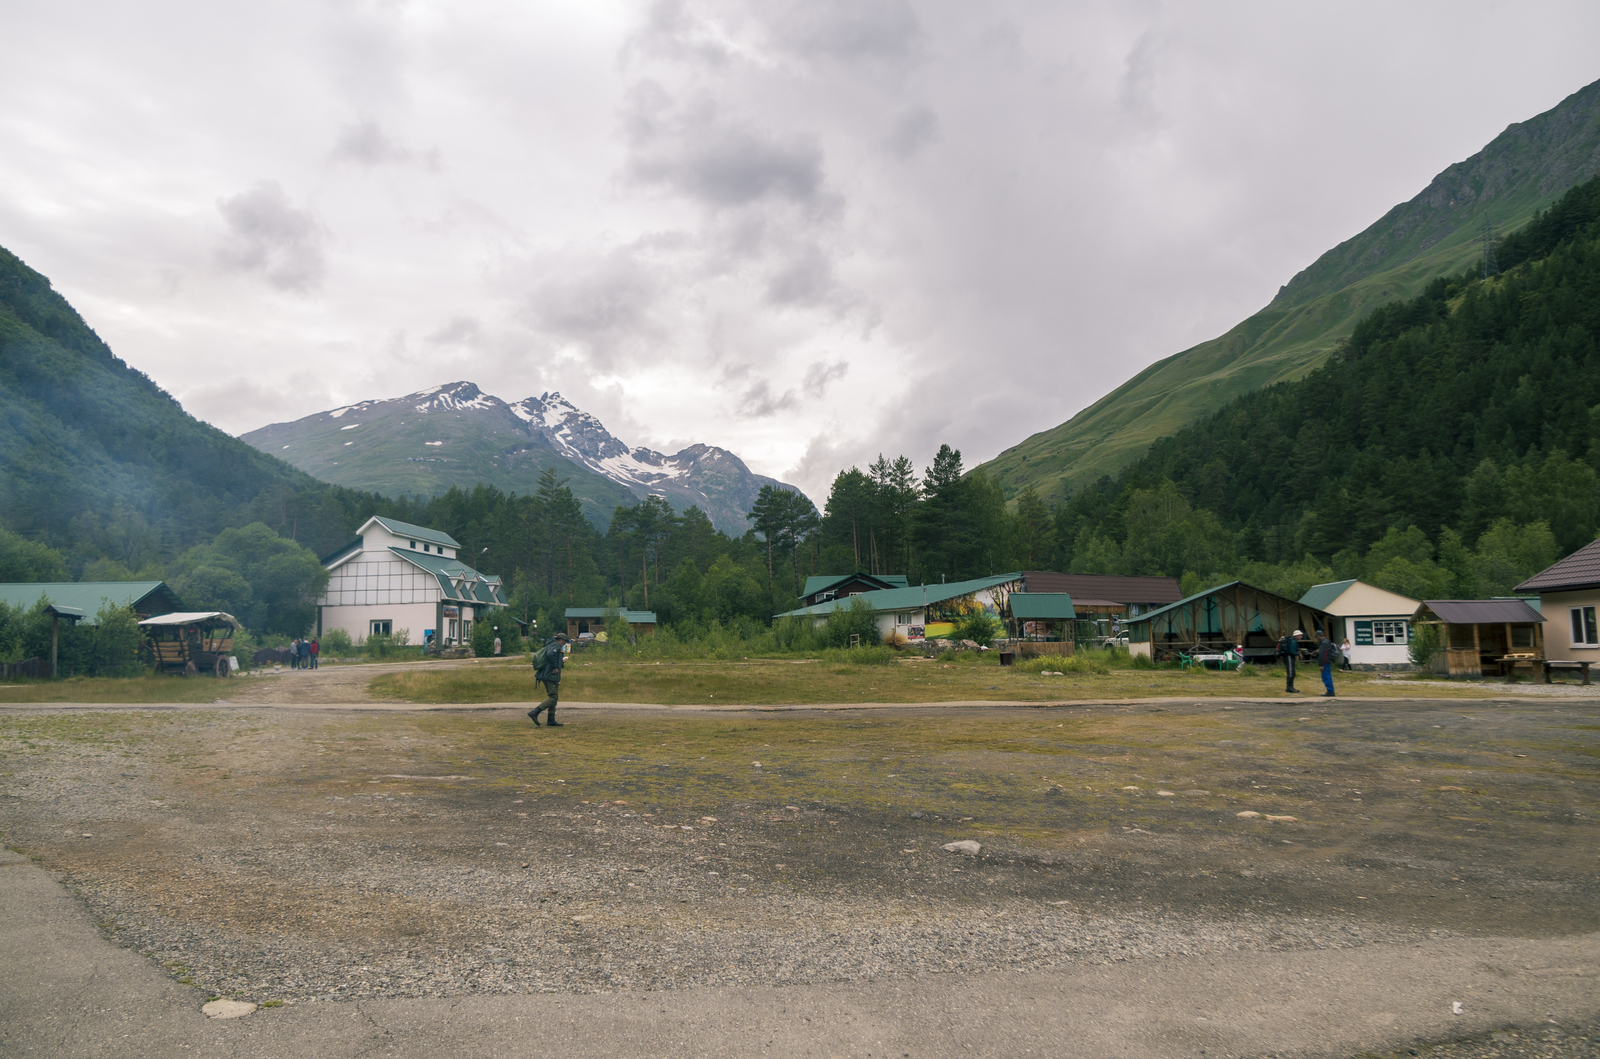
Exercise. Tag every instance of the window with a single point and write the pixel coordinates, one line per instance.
(413, 545)
(905, 619)
(1583, 627)
(1388, 632)
(381, 628)
(427, 547)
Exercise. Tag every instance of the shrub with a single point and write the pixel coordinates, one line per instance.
(979, 626)
(1142, 662)
(858, 619)
(1426, 643)
(337, 641)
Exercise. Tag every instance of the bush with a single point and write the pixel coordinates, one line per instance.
(979, 626)
(1142, 662)
(337, 642)
(858, 619)
(483, 635)
(1426, 643)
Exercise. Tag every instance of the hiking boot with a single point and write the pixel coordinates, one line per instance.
(555, 724)
(533, 715)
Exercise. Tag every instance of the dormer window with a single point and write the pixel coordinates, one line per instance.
(413, 545)
(427, 547)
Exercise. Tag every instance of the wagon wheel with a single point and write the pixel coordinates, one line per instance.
(221, 668)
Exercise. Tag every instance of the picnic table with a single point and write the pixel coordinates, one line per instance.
(1558, 663)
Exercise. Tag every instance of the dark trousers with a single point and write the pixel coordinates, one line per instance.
(552, 693)
(1288, 672)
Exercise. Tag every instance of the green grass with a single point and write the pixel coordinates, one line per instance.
(771, 682)
(148, 688)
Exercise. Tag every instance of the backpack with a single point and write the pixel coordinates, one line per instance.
(541, 657)
(1286, 646)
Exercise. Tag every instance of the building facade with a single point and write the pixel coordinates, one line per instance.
(1377, 622)
(1569, 599)
(396, 577)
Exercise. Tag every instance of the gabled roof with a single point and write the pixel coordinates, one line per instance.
(410, 532)
(147, 597)
(632, 617)
(1153, 614)
(1033, 606)
(1321, 596)
(1482, 611)
(822, 582)
(1581, 569)
(339, 555)
(1115, 587)
(473, 588)
(910, 598)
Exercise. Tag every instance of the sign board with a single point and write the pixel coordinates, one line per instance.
(916, 634)
(1363, 634)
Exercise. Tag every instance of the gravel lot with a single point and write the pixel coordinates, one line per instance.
(301, 856)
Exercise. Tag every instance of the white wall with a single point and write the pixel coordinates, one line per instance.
(414, 617)
(1558, 625)
(377, 539)
(1378, 654)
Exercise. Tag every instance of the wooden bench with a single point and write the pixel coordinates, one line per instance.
(1554, 663)
(1510, 662)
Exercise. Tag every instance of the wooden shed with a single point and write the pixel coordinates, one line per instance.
(1481, 636)
(1219, 618)
(1044, 623)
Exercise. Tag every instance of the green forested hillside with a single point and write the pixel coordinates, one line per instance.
(1438, 233)
(101, 464)
(1470, 412)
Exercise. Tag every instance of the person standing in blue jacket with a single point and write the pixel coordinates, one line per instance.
(1327, 655)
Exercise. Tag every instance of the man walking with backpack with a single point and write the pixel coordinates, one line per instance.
(547, 663)
(1289, 651)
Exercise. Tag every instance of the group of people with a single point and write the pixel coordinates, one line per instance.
(1328, 654)
(303, 653)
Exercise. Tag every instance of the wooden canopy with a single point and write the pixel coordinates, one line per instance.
(1221, 617)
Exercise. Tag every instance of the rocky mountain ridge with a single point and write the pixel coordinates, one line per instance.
(455, 434)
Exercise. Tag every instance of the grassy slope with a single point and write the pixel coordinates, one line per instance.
(1437, 233)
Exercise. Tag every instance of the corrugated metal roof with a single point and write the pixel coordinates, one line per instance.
(1482, 611)
(1581, 569)
(1155, 590)
(822, 582)
(190, 617)
(1322, 596)
(421, 533)
(886, 599)
(1031, 606)
(1148, 616)
(632, 617)
(447, 571)
(148, 597)
(336, 556)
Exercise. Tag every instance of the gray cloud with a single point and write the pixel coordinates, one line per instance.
(757, 402)
(457, 331)
(603, 304)
(914, 129)
(268, 235)
(819, 375)
(703, 153)
(365, 143)
(848, 31)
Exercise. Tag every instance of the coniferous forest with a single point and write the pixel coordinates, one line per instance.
(1449, 449)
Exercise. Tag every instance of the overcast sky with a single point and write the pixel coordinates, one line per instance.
(807, 232)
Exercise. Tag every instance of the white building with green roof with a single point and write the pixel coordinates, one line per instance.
(396, 576)
(1377, 622)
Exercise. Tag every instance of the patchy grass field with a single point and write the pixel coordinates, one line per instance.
(765, 682)
(148, 688)
(276, 854)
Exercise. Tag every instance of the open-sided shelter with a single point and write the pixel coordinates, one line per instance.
(1044, 623)
(1221, 617)
(1103, 595)
(589, 622)
(1479, 636)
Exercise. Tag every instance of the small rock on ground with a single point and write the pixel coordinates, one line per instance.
(966, 845)
(227, 1009)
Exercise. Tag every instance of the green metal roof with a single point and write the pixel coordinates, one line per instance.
(1321, 597)
(475, 589)
(148, 597)
(632, 617)
(910, 598)
(1034, 606)
(421, 533)
(822, 582)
